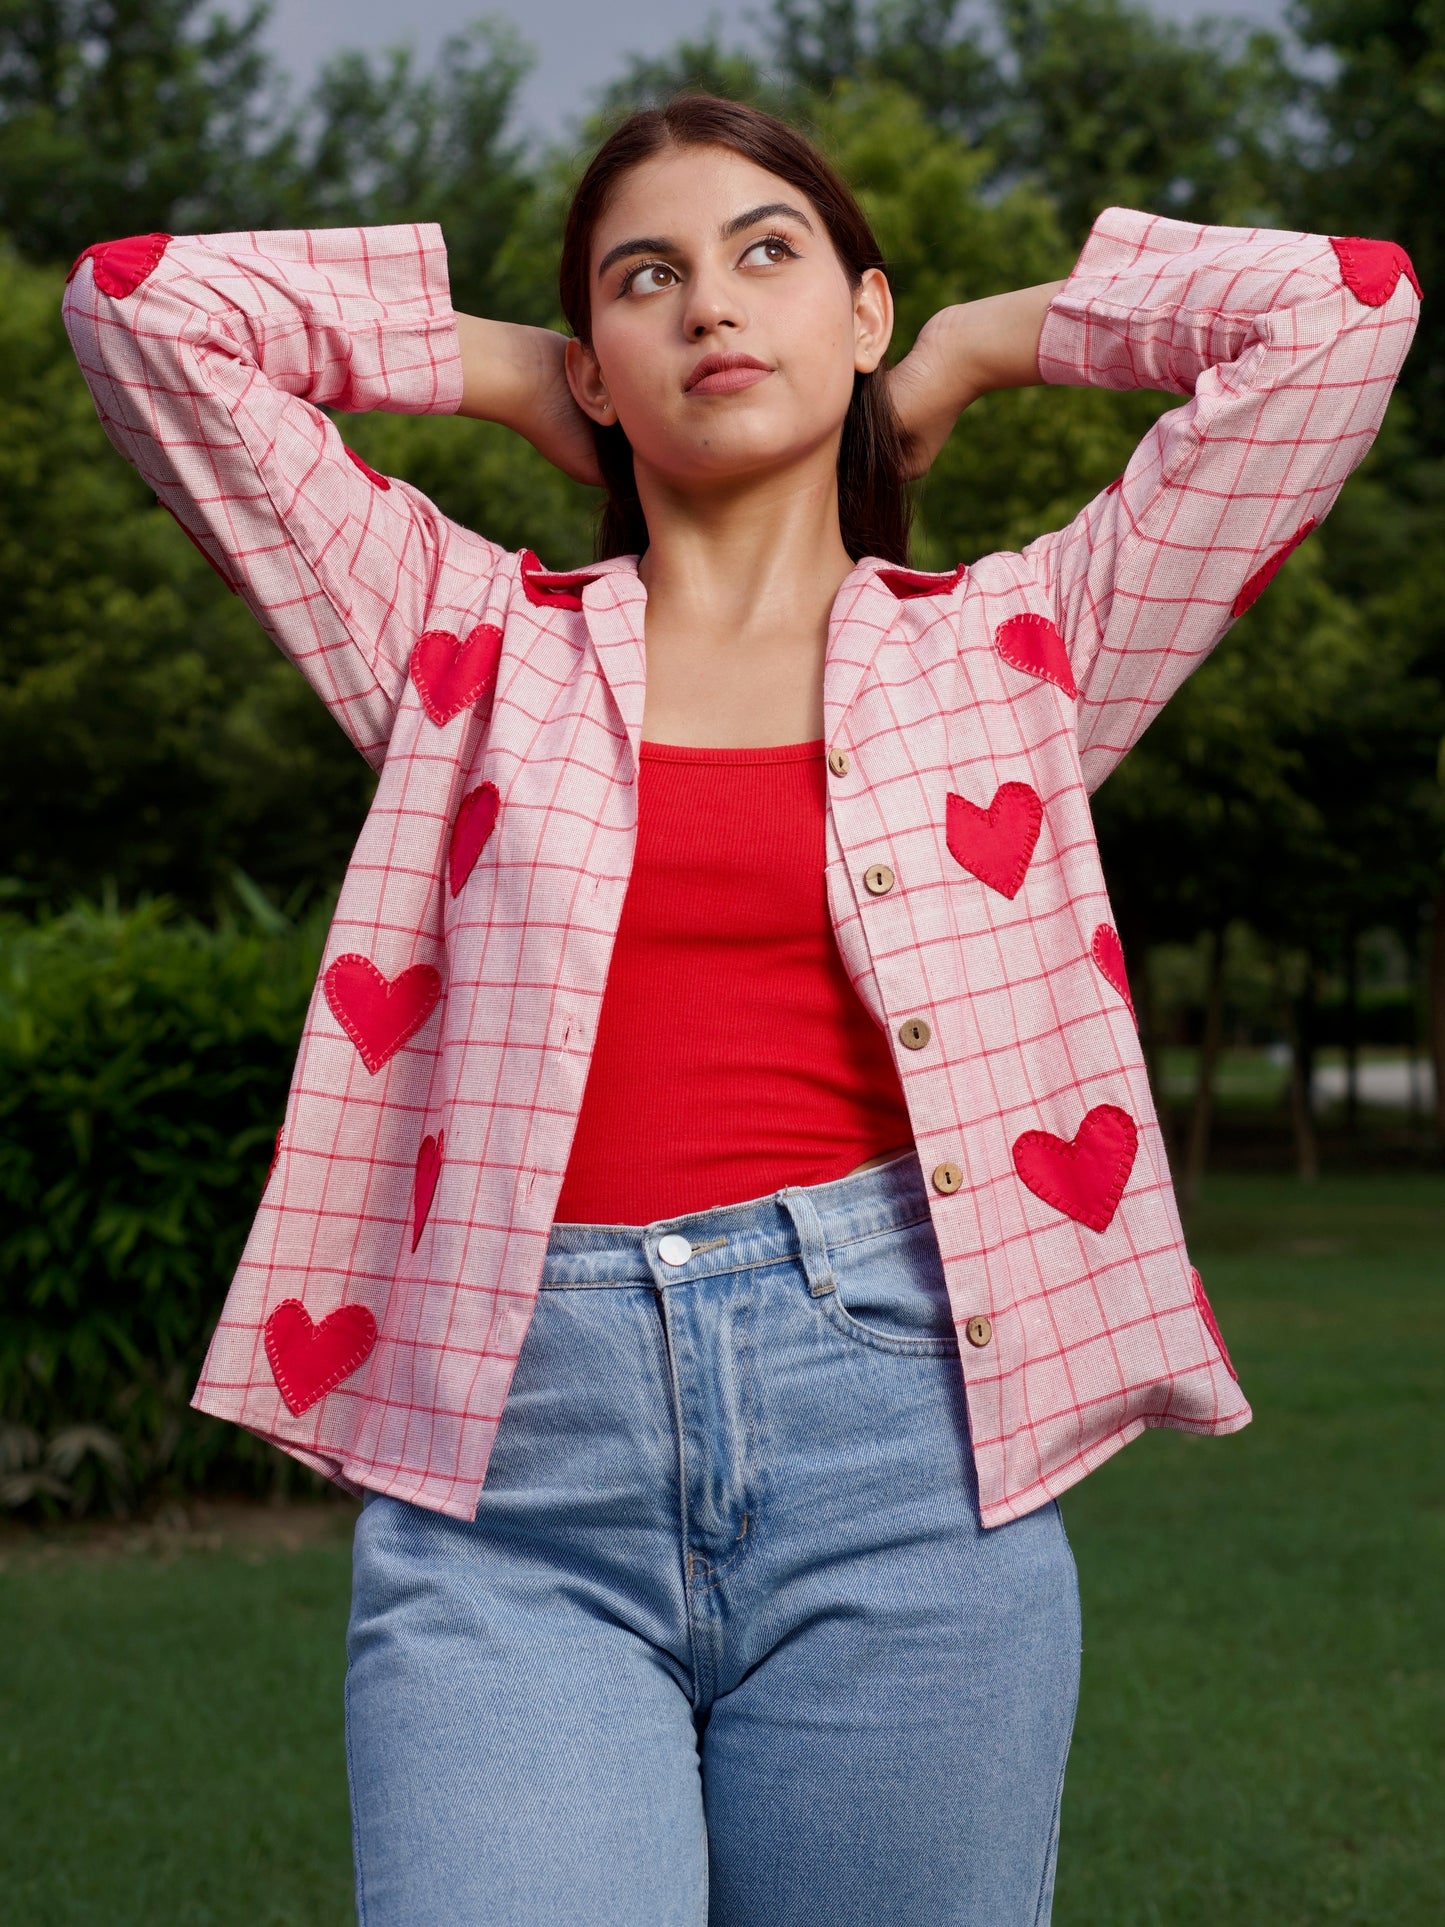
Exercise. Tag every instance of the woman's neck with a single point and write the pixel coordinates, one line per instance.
(739, 591)
(761, 560)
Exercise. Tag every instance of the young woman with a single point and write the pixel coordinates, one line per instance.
(723, 1000)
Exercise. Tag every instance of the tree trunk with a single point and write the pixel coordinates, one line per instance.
(1202, 1114)
(1352, 1032)
(1136, 956)
(1437, 1009)
(1300, 1011)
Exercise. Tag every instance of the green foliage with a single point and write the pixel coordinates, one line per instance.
(1374, 153)
(119, 117)
(376, 141)
(144, 1063)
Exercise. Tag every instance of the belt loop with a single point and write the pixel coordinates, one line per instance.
(812, 1245)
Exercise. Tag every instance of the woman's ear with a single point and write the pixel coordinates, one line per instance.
(589, 390)
(872, 320)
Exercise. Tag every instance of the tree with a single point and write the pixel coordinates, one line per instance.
(126, 116)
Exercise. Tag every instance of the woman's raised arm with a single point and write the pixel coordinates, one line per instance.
(210, 359)
(1288, 346)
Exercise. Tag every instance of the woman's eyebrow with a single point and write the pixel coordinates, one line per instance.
(645, 244)
(767, 212)
(652, 244)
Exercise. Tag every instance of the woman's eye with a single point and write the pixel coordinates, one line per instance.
(651, 277)
(772, 249)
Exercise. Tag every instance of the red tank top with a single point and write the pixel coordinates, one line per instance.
(733, 1055)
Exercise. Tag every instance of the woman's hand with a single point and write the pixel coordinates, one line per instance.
(961, 353)
(515, 376)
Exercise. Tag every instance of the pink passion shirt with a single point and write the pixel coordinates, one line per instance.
(375, 1320)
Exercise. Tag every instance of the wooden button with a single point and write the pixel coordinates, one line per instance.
(914, 1034)
(946, 1177)
(838, 761)
(879, 879)
(978, 1331)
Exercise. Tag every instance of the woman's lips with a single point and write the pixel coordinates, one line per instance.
(729, 378)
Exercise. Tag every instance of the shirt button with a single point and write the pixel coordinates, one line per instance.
(914, 1034)
(879, 879)
(946, 1177)
(838, 761)
(674, 1249)
(978, 1331)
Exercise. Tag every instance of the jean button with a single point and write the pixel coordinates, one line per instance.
(674, 1249)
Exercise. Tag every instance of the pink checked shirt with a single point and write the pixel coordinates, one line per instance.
(375, 1321)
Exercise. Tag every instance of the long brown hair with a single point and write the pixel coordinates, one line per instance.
(874, 507)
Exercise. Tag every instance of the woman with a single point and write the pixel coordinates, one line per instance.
(723, 1000)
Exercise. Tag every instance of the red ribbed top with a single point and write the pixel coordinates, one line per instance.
(733, 1054)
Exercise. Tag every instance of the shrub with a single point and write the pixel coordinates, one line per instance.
(144, 1062)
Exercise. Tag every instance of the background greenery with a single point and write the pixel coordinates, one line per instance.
(176, 809)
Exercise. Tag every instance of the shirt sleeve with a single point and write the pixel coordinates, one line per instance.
(1288, 346)
(210, 358)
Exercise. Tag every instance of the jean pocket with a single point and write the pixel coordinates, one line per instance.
(890, 1293)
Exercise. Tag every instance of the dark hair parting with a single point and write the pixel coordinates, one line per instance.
(874, 506)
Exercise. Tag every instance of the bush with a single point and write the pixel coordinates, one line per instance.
(144, 1063)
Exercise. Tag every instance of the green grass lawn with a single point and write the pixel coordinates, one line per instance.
(1260, 1734)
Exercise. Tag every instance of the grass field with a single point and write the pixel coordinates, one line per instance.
(1260, 1735)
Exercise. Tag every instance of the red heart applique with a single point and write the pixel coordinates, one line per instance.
(372, 476)
(450, 674)
(275, 1156)
(997, 844)
(1109, 956)
(905, 584)
(119, 267)
(310, 1360)
(1371, 269)
(546, 589)
(1085, 1180)
(378, 1014)
(1206, 1312)
(1266, 573)
(476, 818)
(1033, 644)
(428, 1170)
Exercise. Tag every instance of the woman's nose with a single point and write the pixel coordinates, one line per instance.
(710, 305)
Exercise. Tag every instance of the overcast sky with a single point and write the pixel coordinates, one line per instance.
(581, 44)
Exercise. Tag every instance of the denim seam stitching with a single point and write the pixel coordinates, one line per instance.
(752, 1518)
(843, 1321)
(355, 1805)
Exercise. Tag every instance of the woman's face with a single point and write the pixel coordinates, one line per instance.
(725, 335)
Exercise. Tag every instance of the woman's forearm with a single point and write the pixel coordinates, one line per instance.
(503, 367)
(994, 342)
(961, 353)
(515, 375)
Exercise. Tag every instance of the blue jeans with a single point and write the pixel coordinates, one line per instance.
(725, 1645)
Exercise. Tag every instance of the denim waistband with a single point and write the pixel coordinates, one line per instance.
(800, 1221)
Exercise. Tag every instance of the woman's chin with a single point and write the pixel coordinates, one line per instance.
(730, 454)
